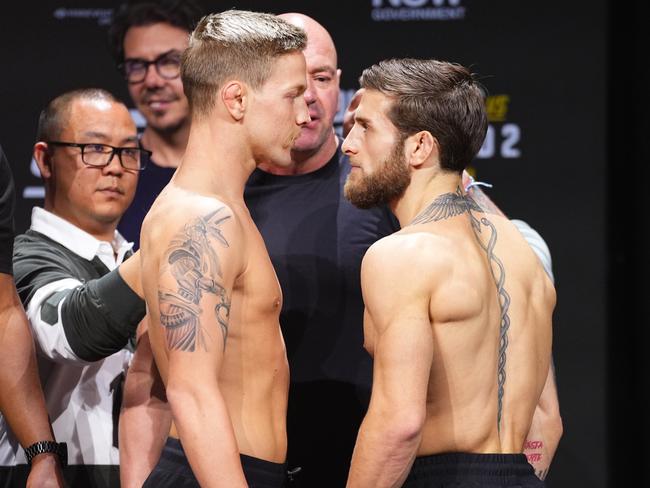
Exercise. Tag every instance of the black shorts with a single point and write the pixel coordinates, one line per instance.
(174, 471)
(461, 470)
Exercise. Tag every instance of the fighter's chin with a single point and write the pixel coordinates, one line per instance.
(357, 195)
(283, 160)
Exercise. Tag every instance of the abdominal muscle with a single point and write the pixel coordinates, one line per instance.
(256, 399)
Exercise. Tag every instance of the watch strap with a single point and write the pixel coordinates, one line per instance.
(44, 447)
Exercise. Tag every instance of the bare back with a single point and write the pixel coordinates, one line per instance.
(488, 304)
(203, 255)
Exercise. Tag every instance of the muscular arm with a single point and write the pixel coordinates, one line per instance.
(145, 416)
(194, 293)
(546, 428)
(21, 397)
(398, 326)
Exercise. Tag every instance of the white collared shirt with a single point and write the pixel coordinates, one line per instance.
(77, 393)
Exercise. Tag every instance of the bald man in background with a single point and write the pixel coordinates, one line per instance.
(316, 240)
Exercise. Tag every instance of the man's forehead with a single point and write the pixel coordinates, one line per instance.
(288, 71)
(155, 39)
(373, 104)
(321, 68)
(320, 50)
(100, 116)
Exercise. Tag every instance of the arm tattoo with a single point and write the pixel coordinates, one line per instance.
(194, 264)
(450, 205)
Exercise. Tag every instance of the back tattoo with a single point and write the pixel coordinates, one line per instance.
(450, 205)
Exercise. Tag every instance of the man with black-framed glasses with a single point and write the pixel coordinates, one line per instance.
(147, 40)
(80, 292)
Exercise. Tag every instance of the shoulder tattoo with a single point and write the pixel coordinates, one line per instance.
(192, 260)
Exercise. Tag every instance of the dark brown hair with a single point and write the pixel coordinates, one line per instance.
(183, 14)
(440, 97)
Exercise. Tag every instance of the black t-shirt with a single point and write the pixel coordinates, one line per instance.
(151, 182)
(316, 240)
(6, 215)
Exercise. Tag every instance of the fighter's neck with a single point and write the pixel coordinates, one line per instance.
(424, 188)
(216, 162)
(168, 147)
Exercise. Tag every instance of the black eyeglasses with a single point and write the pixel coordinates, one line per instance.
(100, 155)
(168, 66)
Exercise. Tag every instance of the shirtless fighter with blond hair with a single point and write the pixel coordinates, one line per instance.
(212, 294)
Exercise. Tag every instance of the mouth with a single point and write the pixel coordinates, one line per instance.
(313, 123)
(158, 104)
(113, 191)
(157, 100)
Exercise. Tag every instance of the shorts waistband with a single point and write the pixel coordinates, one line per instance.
(273, 473)
(497, 465)
(250, 462)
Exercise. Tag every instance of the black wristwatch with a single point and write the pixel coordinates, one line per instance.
(42, 447)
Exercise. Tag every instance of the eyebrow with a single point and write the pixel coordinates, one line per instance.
(103, 137)
(130, 139)
(322, 68)
(161, 55)
(361, 119)
(301, 88)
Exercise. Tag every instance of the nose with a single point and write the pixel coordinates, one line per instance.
(310, 92)
(114, 167)
(349, 147)
(152, 79)
(303, 112)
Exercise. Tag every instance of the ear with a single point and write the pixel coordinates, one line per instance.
(42, 158)
(234, 96)
(421, 147)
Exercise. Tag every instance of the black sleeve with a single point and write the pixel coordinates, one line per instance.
(100, 317)
(6, 215)
(97, 317)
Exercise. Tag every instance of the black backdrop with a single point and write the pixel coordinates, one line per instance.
(545, 65)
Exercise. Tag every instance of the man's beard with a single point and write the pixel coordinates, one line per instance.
(386, 184)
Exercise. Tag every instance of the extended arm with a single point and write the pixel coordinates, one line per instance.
(71, 320)
(195, 287)
(399, 333)
(21, 397)
(546, 428)
(145, 416)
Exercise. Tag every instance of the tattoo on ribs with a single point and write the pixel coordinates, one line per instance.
(194, 264)
(450, 205)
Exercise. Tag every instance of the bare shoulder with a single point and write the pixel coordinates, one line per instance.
(408, 260)
(409, 251)
(184, 214)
